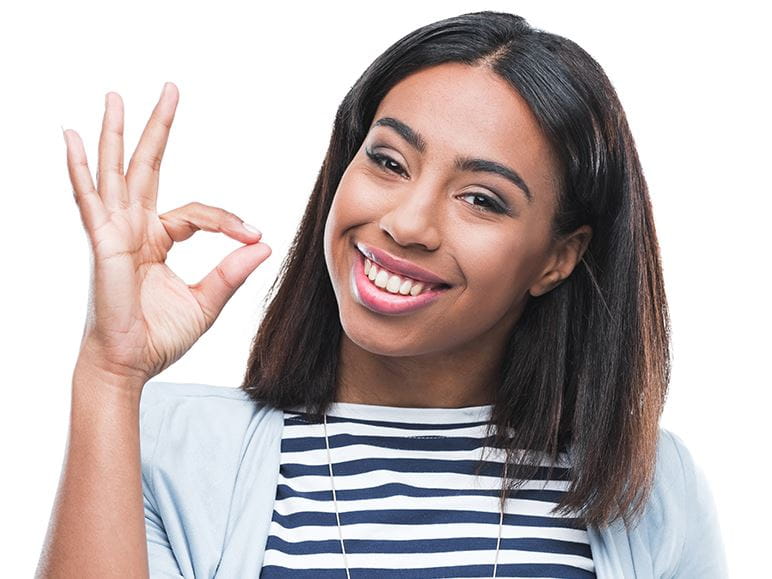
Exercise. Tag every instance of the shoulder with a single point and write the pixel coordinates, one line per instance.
(675, 463)
(157, 393)
(679, 480)
(210, 409)
(201, 421)
(673, 453)
(680, 523)
(206, 452)
(674, 475)
(194, 439)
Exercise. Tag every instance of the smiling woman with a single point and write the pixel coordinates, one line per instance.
(465, 356)
(495, 159)
(436, 199)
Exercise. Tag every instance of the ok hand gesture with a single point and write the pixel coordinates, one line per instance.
(141, 316)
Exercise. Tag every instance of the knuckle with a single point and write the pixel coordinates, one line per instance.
(162, 122)
(221, 275)
(153, 162)
(114, 167)
(217, 215)
(112, 132)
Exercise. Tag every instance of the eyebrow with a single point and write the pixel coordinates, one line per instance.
(416, 140)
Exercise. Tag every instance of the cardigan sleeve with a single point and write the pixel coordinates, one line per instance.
(190, 441)
(703, 550)
(161, 560)
(194, 439)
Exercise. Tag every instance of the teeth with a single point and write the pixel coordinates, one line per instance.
(372, 273)
(417, 289)
(393, 283)
(381, 279)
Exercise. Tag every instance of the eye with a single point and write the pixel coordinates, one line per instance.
(490, 204)
(385, 162)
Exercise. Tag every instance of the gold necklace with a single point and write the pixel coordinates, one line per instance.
(337, 514)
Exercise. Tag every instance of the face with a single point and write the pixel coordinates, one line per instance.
(456, 178)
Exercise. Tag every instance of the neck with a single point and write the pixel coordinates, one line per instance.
(447, 380)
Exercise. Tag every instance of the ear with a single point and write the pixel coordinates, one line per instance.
(563, 259)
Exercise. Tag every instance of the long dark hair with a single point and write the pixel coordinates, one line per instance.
(588, 363)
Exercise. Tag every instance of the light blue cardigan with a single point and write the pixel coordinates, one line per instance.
(210, 463)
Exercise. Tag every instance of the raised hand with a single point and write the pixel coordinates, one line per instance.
(141, 316)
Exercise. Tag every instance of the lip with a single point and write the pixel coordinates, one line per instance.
(399, 266)
(383, 302)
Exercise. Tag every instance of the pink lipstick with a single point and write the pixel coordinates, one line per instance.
(381, 301)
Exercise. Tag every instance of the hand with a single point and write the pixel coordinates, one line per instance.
(142, 317)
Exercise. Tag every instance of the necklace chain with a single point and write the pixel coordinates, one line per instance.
(337, 514)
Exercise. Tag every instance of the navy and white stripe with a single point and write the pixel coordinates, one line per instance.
(410, 503)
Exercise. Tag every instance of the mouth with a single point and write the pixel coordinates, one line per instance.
(385, 293)
(396, 283)
(396, 266)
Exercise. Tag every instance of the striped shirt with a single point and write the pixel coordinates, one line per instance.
(409, 502)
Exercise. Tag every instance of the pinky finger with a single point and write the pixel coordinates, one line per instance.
(92, 210)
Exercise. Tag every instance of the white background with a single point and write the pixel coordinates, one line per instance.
(258, 92)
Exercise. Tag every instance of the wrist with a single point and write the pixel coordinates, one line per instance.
(92, 378)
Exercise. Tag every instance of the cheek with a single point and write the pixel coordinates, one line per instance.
(351, 207)
(360, 195)
(334, 227)
(344, 209)
(499, 269)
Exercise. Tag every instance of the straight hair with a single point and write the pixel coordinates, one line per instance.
(587, 365)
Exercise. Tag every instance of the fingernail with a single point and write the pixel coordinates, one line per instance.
(251, 228)
(163, 90)
(64, 135)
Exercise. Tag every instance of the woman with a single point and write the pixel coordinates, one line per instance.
(460, 372)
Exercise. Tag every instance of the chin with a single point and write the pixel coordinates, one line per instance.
(384, 343)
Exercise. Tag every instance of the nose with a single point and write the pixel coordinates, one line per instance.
(414, 217)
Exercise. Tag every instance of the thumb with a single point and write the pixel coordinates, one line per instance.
(217, 287)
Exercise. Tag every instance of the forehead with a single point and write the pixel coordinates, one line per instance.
(460, 109)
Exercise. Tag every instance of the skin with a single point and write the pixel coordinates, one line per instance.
(420, 207)
(141, 318)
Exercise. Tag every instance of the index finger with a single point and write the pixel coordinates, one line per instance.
(145, 164)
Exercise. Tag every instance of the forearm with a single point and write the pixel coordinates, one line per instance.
(97, 526)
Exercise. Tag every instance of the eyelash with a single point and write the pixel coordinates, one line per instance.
(380, 160)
